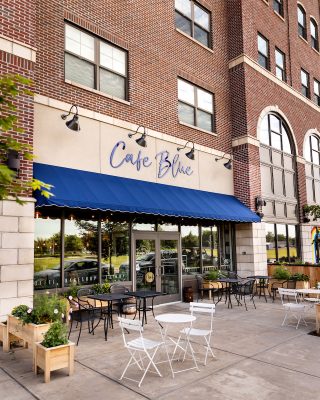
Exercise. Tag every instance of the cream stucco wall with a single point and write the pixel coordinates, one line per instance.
(90, 150)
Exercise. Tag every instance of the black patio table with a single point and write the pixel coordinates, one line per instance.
(109, 298)
(261, 284)
(229, 282)
(143, 295)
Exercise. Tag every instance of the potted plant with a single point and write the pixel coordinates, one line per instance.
(210, 278)
(302, 280)
(54, 352)
(30, 324)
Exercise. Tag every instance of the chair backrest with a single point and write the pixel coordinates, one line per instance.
(206, 308)
(85, 292)
(118, 289)
(246, 287)
(129, 325)
(199, 279)
(292, 294)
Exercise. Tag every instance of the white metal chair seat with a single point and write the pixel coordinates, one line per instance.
(294, 306)
(195, 332)
(143, 343)
(312, 299)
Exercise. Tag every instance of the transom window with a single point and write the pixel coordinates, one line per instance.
(278, 6)
(302, 26)
(193, 20)
(280, 65)
(305, 83)
(278, 176)
(314, 34)
(316, 90)
(263, 51)
(95, 63)
(195, 105)
(312, 156)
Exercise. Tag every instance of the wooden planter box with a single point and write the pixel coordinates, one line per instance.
(211, 285)
(53, 358)
(29, 333)
(317, 307)
(6, 338)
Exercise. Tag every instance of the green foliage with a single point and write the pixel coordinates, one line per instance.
(281, 273)
(46, 309)
(72, 291)
(11, 87)
(102, 288)
(313, 211)
(56, 335)
(213, 275)
(300, 277)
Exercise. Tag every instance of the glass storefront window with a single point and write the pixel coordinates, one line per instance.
(168, 228)
(292, 239)
(210, 242)
(190, 250)
(270, 243)
(81, 253)
(115, 250)
(47, 251)
(143, 227)
(282, 242)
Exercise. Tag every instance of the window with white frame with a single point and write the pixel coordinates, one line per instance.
(314, 34)
(280, 65)
(316, 91)
(194, 20)
(263, 51)
(305, 83)
(95, 63)
(302, 25)
(312, 156)
(195, 106)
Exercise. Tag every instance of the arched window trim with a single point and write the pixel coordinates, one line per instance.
(302, 28)
(314, 39)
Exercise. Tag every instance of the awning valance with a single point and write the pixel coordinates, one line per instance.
(88, 190)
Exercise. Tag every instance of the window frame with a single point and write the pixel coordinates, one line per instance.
(266, 57)
(283, 70)
(278, 4)
(287, 247)
(312, 164)
(195, 106)
(96, 63)
(302, 29)
(314, 39)
(316, 95)
(305, 90)
(194, 23)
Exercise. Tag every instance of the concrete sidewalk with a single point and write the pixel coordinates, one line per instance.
(256, 359)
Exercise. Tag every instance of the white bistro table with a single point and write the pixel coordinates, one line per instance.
(304, 292)
(165, 320)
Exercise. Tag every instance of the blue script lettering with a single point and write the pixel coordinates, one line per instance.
(137, 161)
(175, 166)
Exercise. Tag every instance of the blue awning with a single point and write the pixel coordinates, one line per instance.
(87, 190)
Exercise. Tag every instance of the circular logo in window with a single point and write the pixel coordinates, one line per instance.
(149, 277)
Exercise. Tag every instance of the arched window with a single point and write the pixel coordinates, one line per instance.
(302, 25)
(314, 34)
(312, 156)
(278, 173)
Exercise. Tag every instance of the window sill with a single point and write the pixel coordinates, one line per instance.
(266, 2)
(197, 129)
(194, 40)
(315, 50)
(304, 40)
(96, 92)
(279, 16)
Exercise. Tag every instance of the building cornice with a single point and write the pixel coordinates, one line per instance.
(17, 48)
(245, 140)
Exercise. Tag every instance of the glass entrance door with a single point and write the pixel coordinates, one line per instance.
(156, 257)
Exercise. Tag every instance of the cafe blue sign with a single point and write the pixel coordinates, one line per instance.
(166, 164)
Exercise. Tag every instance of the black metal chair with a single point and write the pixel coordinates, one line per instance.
(245, 289)
(201, 289)
(120, 306)
(262, 285)
(81, 312)
(286, 284)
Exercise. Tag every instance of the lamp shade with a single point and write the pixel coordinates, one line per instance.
(73, 124)
(190, 154)
(142, 141)
(13, 160)
(228, 164)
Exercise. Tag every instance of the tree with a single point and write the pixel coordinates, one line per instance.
(12, 86)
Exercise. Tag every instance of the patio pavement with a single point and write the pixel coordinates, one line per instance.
(256, 359)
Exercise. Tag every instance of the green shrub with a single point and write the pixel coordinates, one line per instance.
(56, 335)
(102, 288)
(281, 273)
(300, 277)
(72, 291)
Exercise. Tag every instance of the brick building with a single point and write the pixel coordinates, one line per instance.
(237, 79)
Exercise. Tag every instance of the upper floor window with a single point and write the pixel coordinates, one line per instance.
(280, 65)
(193, 20)
(312, 156)
(278, 175)
(302, 26)
(195, 106)
(305, 83)
(314, 34)
(263, 51)
(278, 6)
(316, 91)
(95, 63)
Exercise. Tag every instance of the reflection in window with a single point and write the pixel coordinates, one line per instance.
(312, 156)
(168, 228)
(314, 34)
(47, 251)
(209, 253)
(270, 243)
(81, 253)
(143, 227)
(190, 249)
(302, 26)
(281, 242)
(263, 51)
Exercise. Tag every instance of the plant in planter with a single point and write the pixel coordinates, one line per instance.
(302, 280)
(102, 288)
(281, 273)
(54, 352)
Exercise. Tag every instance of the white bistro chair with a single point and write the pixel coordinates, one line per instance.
(142, 350)
(290, 302)
(206, 334)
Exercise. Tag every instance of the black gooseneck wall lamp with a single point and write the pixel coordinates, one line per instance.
(13, 161)
(190, 153)
(73, 123)
(141, 140)
(228, 164)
